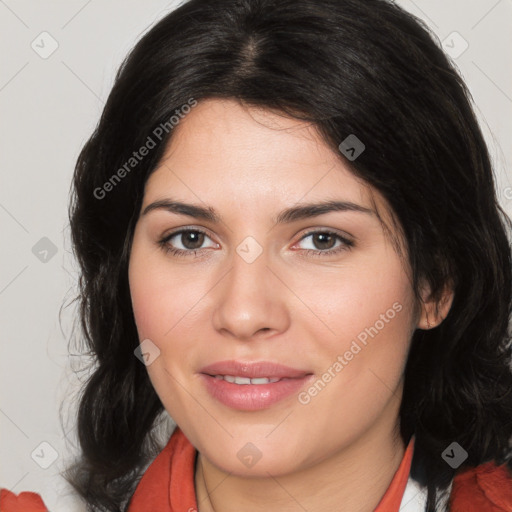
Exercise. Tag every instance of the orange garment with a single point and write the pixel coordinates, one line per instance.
(24, 502)
(486, 488)
(168, 486)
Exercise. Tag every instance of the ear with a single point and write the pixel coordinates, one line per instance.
(433, 312)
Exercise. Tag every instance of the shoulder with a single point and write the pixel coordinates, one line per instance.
(486, 488)
(23, 502)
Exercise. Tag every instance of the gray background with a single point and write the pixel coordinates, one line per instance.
(49, 107)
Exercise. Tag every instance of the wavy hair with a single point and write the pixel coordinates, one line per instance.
(350, 67)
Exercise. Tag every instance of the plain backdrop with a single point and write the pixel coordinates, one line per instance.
(50, 105)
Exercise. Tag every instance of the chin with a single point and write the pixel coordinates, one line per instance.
(261, 468)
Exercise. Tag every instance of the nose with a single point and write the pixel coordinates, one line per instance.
(250, 301)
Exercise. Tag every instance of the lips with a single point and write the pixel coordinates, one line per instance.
(252, 386)
(253, 370)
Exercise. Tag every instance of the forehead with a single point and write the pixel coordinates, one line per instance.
(248, 150)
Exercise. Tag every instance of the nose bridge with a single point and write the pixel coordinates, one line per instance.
(247, 281)
(248, 299)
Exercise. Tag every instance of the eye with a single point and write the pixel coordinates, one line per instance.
(324, 243)
(190, 240)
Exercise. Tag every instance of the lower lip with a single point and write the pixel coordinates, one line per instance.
(252, 397)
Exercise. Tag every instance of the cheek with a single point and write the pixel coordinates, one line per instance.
(145, 289)
(373, 321)
(365, 320)
(147, 308)
(159, 304)
(166, 303)
(370, 299)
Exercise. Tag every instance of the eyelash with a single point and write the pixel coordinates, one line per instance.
(163, 243)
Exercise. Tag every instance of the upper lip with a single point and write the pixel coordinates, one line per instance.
(253, 370)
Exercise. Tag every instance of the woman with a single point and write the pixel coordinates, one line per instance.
(291, 244)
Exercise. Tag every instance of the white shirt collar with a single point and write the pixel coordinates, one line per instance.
(414, 498)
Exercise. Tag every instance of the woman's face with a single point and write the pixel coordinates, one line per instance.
(324, 295)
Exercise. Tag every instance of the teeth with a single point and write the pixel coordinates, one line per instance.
(246, 380)
(262, 380)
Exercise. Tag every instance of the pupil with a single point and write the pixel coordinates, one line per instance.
(327, 236)
(193, 235)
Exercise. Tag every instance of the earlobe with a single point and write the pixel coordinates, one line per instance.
(434, 312)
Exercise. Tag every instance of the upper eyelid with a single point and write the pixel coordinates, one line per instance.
(184, 230)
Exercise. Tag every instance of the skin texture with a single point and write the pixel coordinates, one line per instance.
(287, 306)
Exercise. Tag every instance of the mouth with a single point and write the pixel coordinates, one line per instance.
(250, 386)
(252, 370)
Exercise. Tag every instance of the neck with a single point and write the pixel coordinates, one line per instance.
(354, 479)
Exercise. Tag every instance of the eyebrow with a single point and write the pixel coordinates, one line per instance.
(292, 214)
